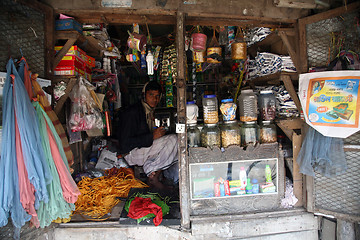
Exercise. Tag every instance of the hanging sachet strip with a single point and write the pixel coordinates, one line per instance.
(57, 207)
(10, 204)
(58, 127)
(38, 171)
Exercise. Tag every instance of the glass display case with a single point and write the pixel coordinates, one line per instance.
(235, 180)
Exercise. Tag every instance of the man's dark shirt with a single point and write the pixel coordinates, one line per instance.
(133, 129)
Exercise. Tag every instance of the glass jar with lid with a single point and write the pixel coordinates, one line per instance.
(267, 105)
(210, 136)
(267, 132)
(192, 111)
(249, 134)
(193, 136)
(228, 109)
(247, 103)
(210, 107)
(230, 133)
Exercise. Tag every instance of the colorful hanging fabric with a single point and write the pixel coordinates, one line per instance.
(34, 159)
(68, 185)
(52, 115)
(10, 204)
(27, 190)
(57, 207)
(24, 73)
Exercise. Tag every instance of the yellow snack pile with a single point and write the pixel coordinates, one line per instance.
(99, 195)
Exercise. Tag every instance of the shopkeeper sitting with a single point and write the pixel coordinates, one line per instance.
(147, 145)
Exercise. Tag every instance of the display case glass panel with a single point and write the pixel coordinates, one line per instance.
(234, 178)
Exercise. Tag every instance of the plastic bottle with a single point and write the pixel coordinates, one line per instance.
(243, 177)
(268, 174)
(249, 187)
(255, 186)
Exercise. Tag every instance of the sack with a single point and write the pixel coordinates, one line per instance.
(84, 113)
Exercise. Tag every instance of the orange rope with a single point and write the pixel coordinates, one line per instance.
(99, 195)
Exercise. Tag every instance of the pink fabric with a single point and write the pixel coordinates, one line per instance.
(68, 185)
(26, 189)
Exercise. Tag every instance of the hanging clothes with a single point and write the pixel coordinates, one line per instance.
(34, 159)
(57, 207)
(10, 204)
(52, 115)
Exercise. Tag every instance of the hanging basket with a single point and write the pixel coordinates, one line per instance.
(136, 41)
(198, 41)
(238, 50)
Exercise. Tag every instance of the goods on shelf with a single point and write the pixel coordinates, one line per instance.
(267, 132)
(247, 103)
(230, 134)
(210, 136)
(249, 134)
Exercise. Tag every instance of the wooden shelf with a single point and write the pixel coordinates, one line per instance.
(87, 43)
(272, 78)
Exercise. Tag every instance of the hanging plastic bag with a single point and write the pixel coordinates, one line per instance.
(84, 114)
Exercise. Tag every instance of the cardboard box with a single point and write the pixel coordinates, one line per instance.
(88, 73)
(70, 66)
(75, 50)
(68, 24)
(68, 71)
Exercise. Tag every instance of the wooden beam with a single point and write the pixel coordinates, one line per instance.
(297, 176)
(331, 13)
(290, 48)
(181, 111)
(303, 57)
(63, 51)
(202, 21)
(62, 100)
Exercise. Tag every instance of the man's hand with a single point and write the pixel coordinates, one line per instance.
(158, 132)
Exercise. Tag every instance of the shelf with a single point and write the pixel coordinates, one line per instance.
(272, 78)
(89, 44)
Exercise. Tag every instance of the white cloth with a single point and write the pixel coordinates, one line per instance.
(161, 155)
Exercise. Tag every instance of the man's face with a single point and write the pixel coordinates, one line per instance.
(152, 98)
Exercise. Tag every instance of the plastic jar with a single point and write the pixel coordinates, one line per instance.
(249, 134)
(230, 133)
(192, 112)
(210, 106)
(247, 103)
(193, 136)
(267, 105)
(228, 109)
(210, 136)
(267, 132)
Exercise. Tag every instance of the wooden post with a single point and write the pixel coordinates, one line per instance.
(297, 176)
(184, 187)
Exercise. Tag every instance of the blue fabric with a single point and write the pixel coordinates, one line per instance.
(10, 204)
(321, 154)
(34, 158)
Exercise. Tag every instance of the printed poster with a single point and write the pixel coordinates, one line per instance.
(330, 101)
